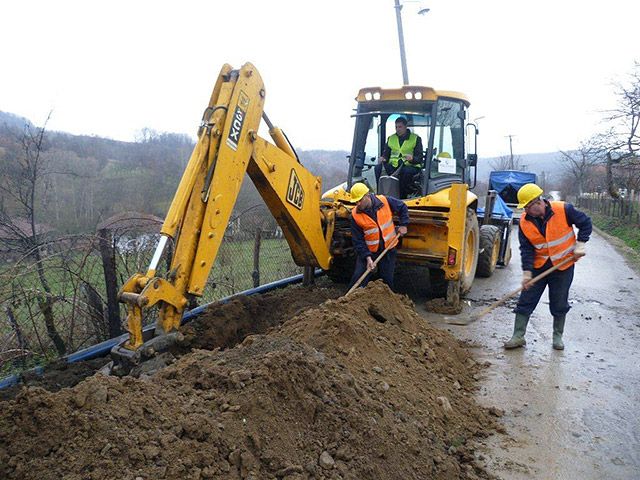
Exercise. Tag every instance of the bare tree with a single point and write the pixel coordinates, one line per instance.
(579, 164)
(623, 152)
(19, 188)
(507, 162)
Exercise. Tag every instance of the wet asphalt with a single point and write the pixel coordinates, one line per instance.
(572, 414)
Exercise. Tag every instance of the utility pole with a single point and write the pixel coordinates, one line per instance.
(510, 151)
(403, 57)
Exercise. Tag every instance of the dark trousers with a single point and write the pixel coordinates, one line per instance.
(559, 283)
(405, 176)
(385, 269)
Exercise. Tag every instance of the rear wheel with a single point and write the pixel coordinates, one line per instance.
(457, 288)
(342, 268)
(489, 250)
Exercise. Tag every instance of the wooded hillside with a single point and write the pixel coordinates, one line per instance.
(84, 179)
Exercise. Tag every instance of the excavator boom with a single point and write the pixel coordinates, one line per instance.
(228, 147)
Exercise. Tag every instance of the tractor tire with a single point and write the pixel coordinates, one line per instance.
(471, 247)
(490, 250)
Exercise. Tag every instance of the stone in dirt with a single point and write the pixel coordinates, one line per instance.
(300, 400)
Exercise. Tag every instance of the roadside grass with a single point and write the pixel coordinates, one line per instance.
(623, 236)
(628, 233)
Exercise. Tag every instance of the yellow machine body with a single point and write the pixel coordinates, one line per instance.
(229, 146)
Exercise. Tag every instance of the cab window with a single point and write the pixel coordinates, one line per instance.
(449, 139)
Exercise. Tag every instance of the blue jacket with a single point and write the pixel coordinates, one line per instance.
(574, 217)
(398, 207)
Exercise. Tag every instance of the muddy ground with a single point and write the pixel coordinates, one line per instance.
(353, 388)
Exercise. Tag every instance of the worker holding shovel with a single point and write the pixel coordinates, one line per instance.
(547, 242)
(373, 233)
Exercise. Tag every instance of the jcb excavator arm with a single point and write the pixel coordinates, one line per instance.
(228, 146)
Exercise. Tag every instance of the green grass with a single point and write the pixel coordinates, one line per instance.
(20, 287)
(628, 233)
(232, 270)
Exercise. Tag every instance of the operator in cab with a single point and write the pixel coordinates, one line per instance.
(547, 240)
(373, 230)
(402, 151)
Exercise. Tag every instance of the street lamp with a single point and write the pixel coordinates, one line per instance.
(403, 56)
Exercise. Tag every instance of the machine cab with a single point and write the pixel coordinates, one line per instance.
(441, 155)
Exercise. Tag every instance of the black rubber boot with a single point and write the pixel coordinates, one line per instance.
(558, 330)
(519, 329)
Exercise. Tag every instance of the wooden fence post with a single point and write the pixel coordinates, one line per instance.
(256, 259)
(108, 254)
(23, 345)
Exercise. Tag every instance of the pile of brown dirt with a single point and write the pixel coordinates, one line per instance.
(221, 326)
(56, 375)
(226, 325)
(358, 388)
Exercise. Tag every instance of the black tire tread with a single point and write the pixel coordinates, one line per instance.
(489, 236)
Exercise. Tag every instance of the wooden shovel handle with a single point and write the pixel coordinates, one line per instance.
(499, 302)
(393, 243)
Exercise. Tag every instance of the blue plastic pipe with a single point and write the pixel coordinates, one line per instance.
(102, 349)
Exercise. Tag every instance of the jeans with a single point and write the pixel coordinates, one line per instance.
(405, 175)
(385, 267)
(559, 283)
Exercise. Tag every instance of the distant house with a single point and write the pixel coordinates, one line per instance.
(132, 231)
(132, 221)
(16, 237)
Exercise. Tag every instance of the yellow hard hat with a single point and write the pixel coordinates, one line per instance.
(444, 155)
(528, 193)
(358, 190)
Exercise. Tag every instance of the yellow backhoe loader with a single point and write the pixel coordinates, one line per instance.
(443, 234)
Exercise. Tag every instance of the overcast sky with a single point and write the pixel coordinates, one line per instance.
(541, 71)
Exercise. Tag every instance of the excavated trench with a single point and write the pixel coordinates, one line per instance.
(293, 384)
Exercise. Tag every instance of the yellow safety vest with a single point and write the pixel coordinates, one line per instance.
(403, 150)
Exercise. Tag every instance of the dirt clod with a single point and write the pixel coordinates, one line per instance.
(329, 392)
(440, 305)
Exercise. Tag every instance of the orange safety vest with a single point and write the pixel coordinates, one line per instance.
(559, 241)
(371, 228)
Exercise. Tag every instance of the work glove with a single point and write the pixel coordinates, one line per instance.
(580, 250)
(526, 278)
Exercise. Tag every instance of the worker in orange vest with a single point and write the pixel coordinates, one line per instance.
(547, 238)
(373, 230)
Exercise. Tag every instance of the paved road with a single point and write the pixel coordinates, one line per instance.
(571, 414)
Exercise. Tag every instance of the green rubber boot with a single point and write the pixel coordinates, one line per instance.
(519, 329)
(558, 330)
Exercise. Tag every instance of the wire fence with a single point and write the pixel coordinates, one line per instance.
(61, 303)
